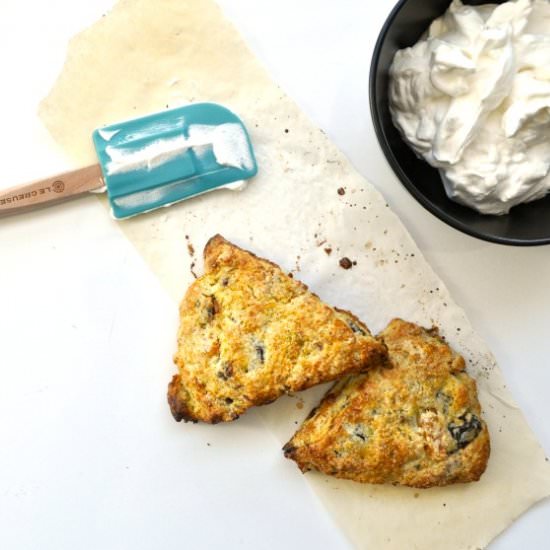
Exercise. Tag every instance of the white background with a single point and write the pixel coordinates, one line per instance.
(89, 455)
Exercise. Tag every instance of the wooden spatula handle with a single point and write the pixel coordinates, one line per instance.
(51, 190)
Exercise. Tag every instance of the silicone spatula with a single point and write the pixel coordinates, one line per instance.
(152, 161)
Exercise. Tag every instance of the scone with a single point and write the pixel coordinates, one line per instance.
(417, 423)
(250, 333)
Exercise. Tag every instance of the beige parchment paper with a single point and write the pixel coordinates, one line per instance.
(146, 55)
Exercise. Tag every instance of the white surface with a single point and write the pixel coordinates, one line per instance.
(90, 455)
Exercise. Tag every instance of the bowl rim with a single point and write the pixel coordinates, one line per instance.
(394, 164)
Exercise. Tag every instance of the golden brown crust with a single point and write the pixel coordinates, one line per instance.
(417, 423)
(249, 333)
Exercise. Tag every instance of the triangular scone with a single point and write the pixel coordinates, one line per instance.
(250, 333)
(416, 423)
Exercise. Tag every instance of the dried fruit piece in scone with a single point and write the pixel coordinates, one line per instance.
(250, 333)
(417, 423)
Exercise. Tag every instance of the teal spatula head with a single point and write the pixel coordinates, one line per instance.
(170, 156)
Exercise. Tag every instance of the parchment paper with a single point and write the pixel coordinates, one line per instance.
(165, 53)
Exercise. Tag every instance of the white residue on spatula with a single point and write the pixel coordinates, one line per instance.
(153, 196)
(149, 157)
(228, 141)
(107, 135)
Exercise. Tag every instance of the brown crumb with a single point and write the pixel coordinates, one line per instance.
(341, 191)
(192, 269)
(328, 251)
(190, 247)
(346, 263)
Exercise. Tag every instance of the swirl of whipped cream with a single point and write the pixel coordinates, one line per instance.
(472, 98)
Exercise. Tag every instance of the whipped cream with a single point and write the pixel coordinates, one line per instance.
(228, 143)
(472, 98)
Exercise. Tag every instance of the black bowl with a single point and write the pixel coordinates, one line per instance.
(526, 224)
